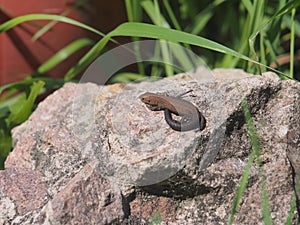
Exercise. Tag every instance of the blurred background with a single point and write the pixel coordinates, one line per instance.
(20, 55)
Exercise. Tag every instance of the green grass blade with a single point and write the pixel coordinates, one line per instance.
(256, 148)
(202, 23)
(249, 6)
(266, 203)
(5, 146)
(6, 103)
(46, 28)
(156, 219)
(172, 15)
(289, 220)
(134, 10)
(153, 11)
(167, 56)
(167, 50)
(258, 13)
(253, 18)
(245, 176)
(242, 187)
(186, 62)
(7, 95)
(152, 31)
(202, 18)
(262, 51)
(292, 44)
(271, 49)
(20, 111)
(287, 21)
(87, 58)
(257, 16)
(50, 83)
(129, 10)
(135, 14)
(30, 17)
(254, 154)
(14, 112)
(177, 27)
(63, 54)
(127, 78)
(286, 9)
(51, 24)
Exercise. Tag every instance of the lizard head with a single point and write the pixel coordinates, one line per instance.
(150, 100)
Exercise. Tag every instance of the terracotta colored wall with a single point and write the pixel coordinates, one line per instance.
(20, 56)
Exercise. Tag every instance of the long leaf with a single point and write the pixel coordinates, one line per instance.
(87, 58)
(152, 31)
(21, 19)
(50, 83)
(20, 112)
(63, 54)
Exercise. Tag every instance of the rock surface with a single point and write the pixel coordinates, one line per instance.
(95, 154)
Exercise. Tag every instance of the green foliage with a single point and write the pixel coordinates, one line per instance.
(156, 219)
(63, 54)
(32, 17)
(230, 34)
(17, 99)
(255, 154)
(14, 112)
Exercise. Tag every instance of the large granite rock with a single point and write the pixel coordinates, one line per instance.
(96, 155)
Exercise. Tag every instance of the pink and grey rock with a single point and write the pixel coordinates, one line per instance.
(96, 155)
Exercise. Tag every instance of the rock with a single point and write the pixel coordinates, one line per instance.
(97, 155)
(22, 192)
(87, 197)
